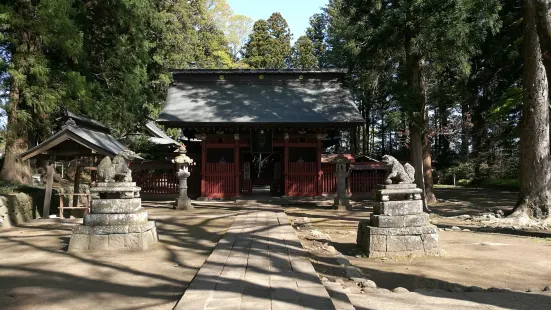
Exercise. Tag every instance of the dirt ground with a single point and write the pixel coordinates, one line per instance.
(36, 272)
(478, 257)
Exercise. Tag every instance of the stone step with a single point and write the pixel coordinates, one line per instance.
(398, 242)
(136, 218)
(119, 229)
(401, 207)
(397, 221)
(115, 205)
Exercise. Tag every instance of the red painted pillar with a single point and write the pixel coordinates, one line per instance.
(236, 161)
(286, 164)
(318, 160)
(203, 165)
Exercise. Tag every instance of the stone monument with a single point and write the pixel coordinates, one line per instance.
(116, 220)
(183, 162)
(398, 225)
(341, 200)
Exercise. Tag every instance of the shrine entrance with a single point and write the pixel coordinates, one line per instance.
(262, 172)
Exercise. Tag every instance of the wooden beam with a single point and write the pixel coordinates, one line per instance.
(318, 161)
(203, 167)
(48, 194)
(236, 161)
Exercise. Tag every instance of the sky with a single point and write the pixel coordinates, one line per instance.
(295, 12)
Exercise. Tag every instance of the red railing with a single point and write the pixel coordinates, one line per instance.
(220, 180)
(302, 179)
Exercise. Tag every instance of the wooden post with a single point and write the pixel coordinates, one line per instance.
(286, 164)
(48, 194)
(318, 161)
(76, 184)
(236, 161)
(203, 165)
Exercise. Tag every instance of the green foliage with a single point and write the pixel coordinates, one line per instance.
(147, 150)
(503, 184)
(317, 34)
(269, 44)
(304, 54)
(461, 171)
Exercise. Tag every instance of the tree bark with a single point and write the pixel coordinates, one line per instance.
(535, 168)
(543, 28)
(14, 169)
(420, 142)
(465, 130)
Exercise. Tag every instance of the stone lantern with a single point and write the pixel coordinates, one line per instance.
(183, 162)
(341, 200)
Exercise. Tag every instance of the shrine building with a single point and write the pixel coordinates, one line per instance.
(259, 131)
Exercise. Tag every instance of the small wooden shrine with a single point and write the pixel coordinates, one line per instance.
(81, 139)
(259, 131)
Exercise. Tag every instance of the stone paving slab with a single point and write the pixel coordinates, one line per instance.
(258, 264)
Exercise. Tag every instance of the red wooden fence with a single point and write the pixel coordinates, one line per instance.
(160, 179)
(302, 179)
(328, 179)
(220, 180)
(364, 181)
(358, 181)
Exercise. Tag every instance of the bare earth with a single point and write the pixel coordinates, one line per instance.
(477, 257)
(36, 272)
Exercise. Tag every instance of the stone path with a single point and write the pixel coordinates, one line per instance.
(259, 264)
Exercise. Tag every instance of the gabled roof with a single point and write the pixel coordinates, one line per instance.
(157, 135)
(88, 142)
(230, 97)
(83, 121)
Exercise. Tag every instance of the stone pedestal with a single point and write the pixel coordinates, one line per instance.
(398, 226)
(116, 220)
(183, 202)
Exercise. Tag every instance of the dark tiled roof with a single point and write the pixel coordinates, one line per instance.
(318, 98)
(158, 136)
(83, 121)
(99, 142)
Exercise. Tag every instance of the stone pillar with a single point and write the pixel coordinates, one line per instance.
(183, 162)
(341, 202)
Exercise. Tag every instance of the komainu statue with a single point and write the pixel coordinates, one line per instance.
(116, 170)
(398, 174)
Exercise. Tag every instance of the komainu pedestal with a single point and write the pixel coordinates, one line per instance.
(116, 220)
(398, 225)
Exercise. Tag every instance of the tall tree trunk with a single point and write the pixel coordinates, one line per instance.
(543, 28)
(465, 130)
(14, 169)
(420, 142)
(535, 169)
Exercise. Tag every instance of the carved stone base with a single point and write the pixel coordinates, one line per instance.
(183, 204)
(109, 238)
(397, 242)
(398, 225)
